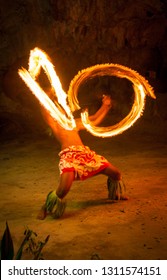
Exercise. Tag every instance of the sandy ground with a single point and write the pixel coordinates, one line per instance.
(92, 226)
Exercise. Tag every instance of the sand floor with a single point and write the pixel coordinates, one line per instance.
(92, 226)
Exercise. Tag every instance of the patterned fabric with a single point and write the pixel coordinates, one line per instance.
(83, 161)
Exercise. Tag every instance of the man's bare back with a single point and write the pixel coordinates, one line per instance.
(68, 138)
(65, 137)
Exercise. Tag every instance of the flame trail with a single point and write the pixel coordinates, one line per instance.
(62, 112)
(141, 89)
(59, 109)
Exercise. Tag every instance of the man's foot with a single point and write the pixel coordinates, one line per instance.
(53, 206)
(116, 189)
(42, 213)
(58, 209)
(122, 197)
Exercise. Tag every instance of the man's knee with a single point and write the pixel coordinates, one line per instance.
(117, 175)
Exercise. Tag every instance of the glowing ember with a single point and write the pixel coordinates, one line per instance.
(60, 110)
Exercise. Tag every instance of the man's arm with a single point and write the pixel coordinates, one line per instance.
(106, 105)
(99, 116)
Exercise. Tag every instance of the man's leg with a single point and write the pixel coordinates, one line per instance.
(65, 184)
(115, 184)
(54, 203)
(112, 171)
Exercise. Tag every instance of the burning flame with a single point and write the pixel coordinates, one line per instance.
(141, 89)
(62, 112)
(59, 109)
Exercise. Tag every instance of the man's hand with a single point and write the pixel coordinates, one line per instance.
(106, 100)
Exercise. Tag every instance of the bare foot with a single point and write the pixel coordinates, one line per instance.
(122, 197)
(59, 209)
(42, 213)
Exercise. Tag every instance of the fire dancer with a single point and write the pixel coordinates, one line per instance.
(78, 162)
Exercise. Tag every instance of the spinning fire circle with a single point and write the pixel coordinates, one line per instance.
(141, 89)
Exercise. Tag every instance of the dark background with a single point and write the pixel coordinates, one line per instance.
(76, 35)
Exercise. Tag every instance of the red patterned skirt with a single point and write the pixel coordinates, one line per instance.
(83, 161)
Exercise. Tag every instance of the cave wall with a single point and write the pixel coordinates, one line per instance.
(77, 34)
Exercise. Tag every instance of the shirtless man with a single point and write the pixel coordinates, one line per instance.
(78, 162)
